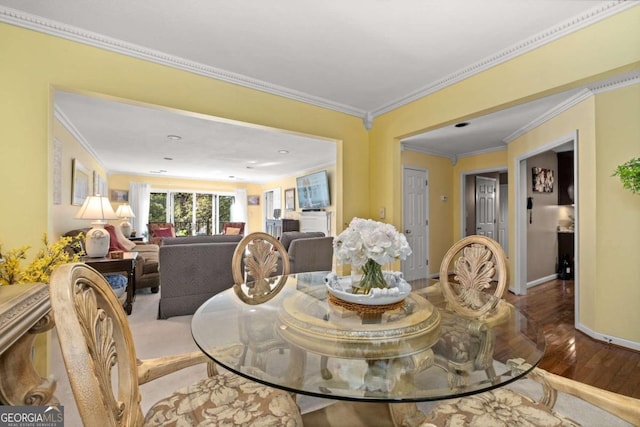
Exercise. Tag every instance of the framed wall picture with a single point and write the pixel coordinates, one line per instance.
(290, 199)
(80, 176)
(542, 180)
(99, 184)
(120, 196)
(253, 200)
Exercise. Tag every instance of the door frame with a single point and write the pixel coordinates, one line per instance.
(463, 191)
(520, 212)
(426, 208)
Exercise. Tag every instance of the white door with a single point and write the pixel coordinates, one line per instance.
(503, 221)
(415, 221)
(486, 206)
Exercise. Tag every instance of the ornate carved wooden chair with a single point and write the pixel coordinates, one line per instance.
(470, 267)
(504, 406)
(255, 260)
(95, 338)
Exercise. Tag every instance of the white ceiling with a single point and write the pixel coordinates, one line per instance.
(361, 57)
(129, 138)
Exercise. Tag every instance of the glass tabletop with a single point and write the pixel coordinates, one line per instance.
(304, 342)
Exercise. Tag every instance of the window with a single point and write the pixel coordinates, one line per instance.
(191, 213)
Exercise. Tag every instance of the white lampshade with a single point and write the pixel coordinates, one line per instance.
(125, 211)
(99, 209)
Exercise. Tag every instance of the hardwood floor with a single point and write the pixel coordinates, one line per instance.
(569, 352)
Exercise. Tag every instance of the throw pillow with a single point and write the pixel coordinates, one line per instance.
(128, 244)
(114, 245)
(163, 232)
(232, 231)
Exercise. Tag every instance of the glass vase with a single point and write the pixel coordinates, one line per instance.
(368, 276)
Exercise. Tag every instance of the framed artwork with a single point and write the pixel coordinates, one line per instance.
(79, 182)
(542, 180)
(119, 196)
(99, 184)
(290, 199)
(253, 200)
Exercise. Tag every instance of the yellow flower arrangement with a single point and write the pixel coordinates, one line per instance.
(40, 269)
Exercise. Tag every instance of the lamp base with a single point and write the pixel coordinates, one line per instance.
(97, 241)
(125, 227)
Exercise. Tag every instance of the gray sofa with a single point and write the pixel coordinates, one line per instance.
(308, 251)
(193, 269)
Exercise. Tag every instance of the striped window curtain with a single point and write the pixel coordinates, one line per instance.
(139, 194)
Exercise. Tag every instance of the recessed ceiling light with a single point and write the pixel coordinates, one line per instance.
(249, 167)
(252, 162)
(283, 151)
(461, 125)
(174, 137)
(168, 158)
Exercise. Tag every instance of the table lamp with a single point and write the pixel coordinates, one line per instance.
(97, 239)
(125, 212)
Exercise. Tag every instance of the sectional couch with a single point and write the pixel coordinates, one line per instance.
(193, 269)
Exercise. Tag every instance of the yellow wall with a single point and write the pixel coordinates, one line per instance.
(441, 216)
(62, 215)
(32, 64)
(466, 165)
(617, 221)
(600, 50)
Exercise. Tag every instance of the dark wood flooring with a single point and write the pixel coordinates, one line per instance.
(569, 352)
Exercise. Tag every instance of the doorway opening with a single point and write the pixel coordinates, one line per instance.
(525, 213)
(485, 202)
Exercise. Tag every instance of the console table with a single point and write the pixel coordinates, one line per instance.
(117, 265)
(25, 311)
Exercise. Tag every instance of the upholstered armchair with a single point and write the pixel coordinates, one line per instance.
(160, 230)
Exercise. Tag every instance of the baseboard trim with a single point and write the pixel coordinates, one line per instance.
(608, 338)
(541, 280)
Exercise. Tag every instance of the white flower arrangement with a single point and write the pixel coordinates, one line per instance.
(366, 239)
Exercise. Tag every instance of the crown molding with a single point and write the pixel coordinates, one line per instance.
(411, 147)
(550, 114)
(590, 17)
(483, 151)
(54, 28)
(626, 80)
(64, 121)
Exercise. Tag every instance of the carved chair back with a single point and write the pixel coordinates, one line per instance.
(94, 338)
(254, 262)
(478, 263)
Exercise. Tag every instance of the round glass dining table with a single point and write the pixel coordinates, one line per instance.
(304, 342)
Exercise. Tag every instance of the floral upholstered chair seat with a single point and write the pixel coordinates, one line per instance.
(225, 400)
(105, 374)
(500, 407)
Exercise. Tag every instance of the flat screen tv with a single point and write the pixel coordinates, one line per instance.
(313, 191)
